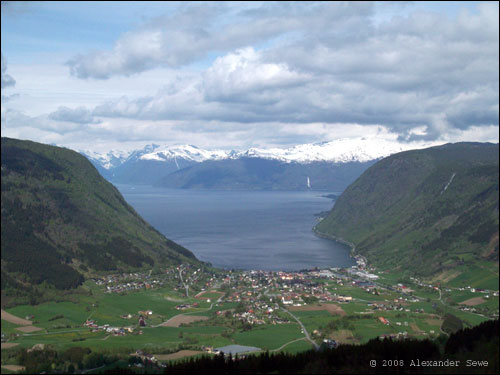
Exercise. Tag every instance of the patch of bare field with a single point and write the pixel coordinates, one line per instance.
(37, 347)
(415, 329)
(473, 301)
(177, 355)
(29, 329)
(14, 367)
(177, 320)
(330, 307)
(8, 345)
(14, 319)
(446, 276)
(343, 336)
(225, 311)
(434, 322)
(490, 249)
(434, 316)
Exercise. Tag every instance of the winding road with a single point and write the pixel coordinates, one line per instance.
(316, 346)
(182, 281)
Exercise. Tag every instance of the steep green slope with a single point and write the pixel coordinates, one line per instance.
(430, 212)
(60, 219)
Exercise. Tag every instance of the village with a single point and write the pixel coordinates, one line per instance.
(262, 297)
(260, 294)
(184, 310)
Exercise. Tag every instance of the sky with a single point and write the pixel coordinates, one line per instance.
(235, 75)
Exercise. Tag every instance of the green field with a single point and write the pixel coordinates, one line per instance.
(269, 337)
(298, 346)
(477, 277)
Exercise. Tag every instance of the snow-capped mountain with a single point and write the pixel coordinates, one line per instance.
(109, 160)
(187, 152)
(343, 150)
(332, 164)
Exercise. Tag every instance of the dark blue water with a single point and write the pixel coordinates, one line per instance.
(264, 230)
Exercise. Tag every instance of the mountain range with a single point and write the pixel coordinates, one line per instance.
(321, 166)
(431, 212)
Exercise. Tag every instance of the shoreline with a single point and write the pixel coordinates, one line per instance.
(336, 239)
(352, 253)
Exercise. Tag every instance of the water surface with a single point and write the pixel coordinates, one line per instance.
(266, 230)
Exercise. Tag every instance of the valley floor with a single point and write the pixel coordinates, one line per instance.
(149, 315)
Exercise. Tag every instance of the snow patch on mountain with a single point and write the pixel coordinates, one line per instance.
(108, 160)
(338, 151)
(187, 152)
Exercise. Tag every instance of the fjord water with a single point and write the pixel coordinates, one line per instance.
(260, 230)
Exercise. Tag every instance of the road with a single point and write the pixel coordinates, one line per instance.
(316, 346)
(191, 312)
(182, 281)
(286, 344)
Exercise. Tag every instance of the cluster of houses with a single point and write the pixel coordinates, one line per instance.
(120, 331)
(395, 305)
(330, 344)
(120, 283)
(383, 320)
(260, 313)
(147, 357)
(116, 331)
(356, 271)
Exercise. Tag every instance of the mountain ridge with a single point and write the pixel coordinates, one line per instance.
(327, 163)
(340, 150)
(432, 211)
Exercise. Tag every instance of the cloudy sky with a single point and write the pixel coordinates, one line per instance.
(101, 75)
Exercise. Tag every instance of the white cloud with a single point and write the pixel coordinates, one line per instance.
(422, 70)
(276, 74)
(244, 72)
(80, 115)
(189, 35)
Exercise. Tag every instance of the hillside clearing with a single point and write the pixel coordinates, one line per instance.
(177, 355)
(29, 329)
(330, 307)
(14, 319)
(177, 320)
(473, 301)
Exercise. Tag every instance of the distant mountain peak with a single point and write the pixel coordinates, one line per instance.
(341, 150)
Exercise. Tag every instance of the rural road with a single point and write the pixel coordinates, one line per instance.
(188, 313)
(182, 281)
(316, 346)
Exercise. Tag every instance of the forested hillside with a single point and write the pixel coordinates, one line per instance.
(431, 212)
(61, 220)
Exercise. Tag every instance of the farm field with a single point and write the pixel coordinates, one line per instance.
(269, 337)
